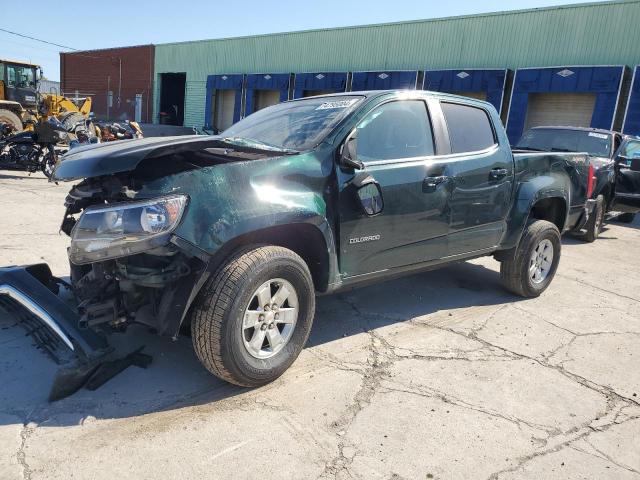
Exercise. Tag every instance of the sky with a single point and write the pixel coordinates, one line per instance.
(92, 25)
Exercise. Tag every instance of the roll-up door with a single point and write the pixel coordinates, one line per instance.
(560, 109)
(224, 103)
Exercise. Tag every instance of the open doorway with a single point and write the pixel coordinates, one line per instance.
(172, 91)
(266, 98)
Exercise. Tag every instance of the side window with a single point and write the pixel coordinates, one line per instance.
(631, 149)
(11, 76)
(469, 128)
(395, 130)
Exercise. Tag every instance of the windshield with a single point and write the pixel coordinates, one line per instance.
(21, 77)
(299, 125)
(595, 144)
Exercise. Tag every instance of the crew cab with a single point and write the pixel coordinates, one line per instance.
(615, 184)
(233, 235)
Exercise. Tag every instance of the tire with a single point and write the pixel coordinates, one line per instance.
(7, 116)
(70, 119)
(220, 337)
(594, 224)
(626, 218)
(515, 270)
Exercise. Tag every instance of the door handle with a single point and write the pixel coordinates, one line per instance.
(498, 173)
(432, 182)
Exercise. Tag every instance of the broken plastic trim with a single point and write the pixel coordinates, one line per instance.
(34, 308)
(32, 289)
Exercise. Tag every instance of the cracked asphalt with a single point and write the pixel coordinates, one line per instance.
(439, 375)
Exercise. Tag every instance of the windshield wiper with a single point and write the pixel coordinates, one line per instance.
(258, 145)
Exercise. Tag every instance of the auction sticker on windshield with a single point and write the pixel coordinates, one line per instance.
(603, 136)
(337, 104)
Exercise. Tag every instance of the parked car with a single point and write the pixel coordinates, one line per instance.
(613, 181)
(235, 234)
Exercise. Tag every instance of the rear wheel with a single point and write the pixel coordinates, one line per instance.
(626, 217)
(7, 116)
(594, 224)
(254, 315)
(531, 268)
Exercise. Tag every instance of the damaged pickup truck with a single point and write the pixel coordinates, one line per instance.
(232, 236)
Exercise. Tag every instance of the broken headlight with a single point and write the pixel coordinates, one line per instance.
(124, 229)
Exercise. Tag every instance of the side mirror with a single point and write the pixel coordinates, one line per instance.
(40, 73)
(348, 154)
(370, 196)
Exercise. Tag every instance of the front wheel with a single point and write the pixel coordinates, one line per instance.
(531, 268)
(253, 317)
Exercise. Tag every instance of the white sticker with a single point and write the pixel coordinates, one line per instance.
(603, 136)
(337, 104)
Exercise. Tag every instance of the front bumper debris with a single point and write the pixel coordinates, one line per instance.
(85, 358)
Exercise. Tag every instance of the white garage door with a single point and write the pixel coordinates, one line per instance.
(266, 98)
(224, 102)
(560, 109)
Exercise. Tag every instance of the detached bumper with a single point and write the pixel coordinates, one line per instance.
(29, 293)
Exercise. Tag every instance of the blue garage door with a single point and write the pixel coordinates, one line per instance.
(489, 82)
(309, 84)
(384, 80)
(631, 124)
(264, 90)
(603, 82)
(220, 86)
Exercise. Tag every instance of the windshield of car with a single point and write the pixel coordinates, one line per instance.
(595, 144)
(299, 125)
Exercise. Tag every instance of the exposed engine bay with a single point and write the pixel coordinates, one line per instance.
(145, 287)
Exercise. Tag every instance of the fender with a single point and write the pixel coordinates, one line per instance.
(561, 181)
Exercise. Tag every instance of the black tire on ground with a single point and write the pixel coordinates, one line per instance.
(626, 218)
(7, 116)
(514, 270)
(218, 313)
(594, 224)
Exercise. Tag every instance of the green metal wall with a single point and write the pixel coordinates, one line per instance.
(606, 33)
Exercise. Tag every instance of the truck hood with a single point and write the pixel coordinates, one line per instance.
(125, 155)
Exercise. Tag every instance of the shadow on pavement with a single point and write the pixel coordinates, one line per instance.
(176, 379)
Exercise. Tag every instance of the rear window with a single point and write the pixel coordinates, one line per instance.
(596, 144)
(469, 128)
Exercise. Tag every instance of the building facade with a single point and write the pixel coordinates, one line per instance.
(119, 80)
(564, 65)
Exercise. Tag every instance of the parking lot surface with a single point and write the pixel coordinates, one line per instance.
(438, 375)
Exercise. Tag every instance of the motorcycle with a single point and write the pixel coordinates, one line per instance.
(110, 132)
(34, 150)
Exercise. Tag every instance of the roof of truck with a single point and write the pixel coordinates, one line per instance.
(19, 62)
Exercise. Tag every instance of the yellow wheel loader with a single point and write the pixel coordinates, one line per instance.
(21, 105)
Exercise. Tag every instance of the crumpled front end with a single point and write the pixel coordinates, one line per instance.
(127, 266)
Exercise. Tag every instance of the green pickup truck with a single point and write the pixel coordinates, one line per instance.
(233, 235)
